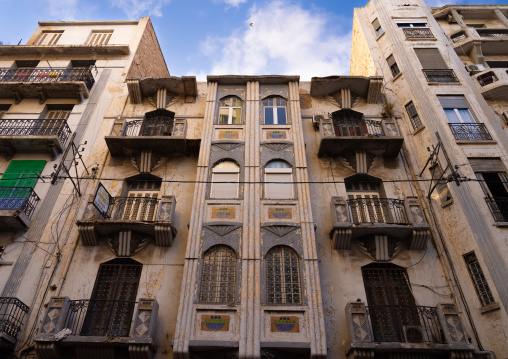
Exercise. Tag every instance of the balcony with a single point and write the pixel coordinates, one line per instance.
(440, 76)
(33, 136)
(45, 83)
(435, 331)
(158, 132)
(498, 207)
(12, 314)
(418, 33)
(493, 83)
(130, 223)
(493, 33)
(17, 205)
(380, 137)
(489, 41)
(360, 218)
(98, 329)
(470, 132)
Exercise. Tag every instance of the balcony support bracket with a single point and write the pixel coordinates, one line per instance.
(41, 94)
(17, 96)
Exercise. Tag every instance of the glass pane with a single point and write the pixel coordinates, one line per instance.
(280, 101)
(281, 116)
(419, 25)
(278, 164)
(268, 115)
(237, 116)
(404, 25)
(223, 116)
(226, 164)
(451, 115)
(268, 102)
(236, 102)
(465, 115)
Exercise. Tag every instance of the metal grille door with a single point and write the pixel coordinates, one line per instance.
(113, 299)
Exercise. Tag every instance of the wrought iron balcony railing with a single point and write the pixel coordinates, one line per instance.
(405, 324)
(492, 32)
(41, 127)
(12, 313)
(444, 75)
(19, 198)
(487, 78)
(470, 131)
(110, 318)
(129, 208)
(498, 207)
(158, 126)
(47, 75)
(346, 128)
(377, 210)
(418, 33)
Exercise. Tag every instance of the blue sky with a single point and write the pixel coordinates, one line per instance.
(200, 37)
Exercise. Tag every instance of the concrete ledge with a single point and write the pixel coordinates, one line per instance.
(295, 345)
(492, 307)
(475, 142)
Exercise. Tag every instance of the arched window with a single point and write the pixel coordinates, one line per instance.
(278, 180)
(225, 171)
(275, 111)
(282, 276)
(230, 112)
(218, 278)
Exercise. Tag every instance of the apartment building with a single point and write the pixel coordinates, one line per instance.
(153, 216)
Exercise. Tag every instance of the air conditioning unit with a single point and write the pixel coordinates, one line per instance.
(316, 119)
(473, 69)
(417, 334)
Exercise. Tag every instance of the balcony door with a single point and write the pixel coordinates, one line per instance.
(365, 204)
(113, 299)
(18, 181)
(142, 200)
(494, 185)
(54, 121)
(392, 307)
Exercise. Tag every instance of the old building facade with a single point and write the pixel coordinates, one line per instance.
(145, 215)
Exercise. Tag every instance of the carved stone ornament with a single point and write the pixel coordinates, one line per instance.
(156, 160)
(348, 160)
(171, 99)
(336, 99)
(280, 230)
(378, 247)
(277, 146)
(126, 243)
(221, 229)
(228, 146)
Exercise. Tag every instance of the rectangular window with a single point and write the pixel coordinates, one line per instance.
(479, 282)
(411, 22)
(377, 27)
(430, 59)
(394, 68)
(413, 115)
(476, 26)
(99, 37)
(491, 175)
(498, 64)
(48, 37)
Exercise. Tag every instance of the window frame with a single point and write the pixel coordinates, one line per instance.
(392, 64)
(226, 170)
(230, 111)
(413, 115)
(275, 112)
(276, 273)
(214, 268)
(270, 171)
(480, 284)
(377, 29)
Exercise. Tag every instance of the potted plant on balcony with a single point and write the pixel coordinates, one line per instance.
(387, 110)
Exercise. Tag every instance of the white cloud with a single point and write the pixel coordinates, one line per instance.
(234, 3)
(284, 39)
(138, 8)
(63, 9)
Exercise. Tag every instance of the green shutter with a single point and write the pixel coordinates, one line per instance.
(22, 173)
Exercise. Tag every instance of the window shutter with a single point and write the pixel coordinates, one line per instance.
(453, 101)
(279, 190)
(430, 59)
(390, 60)
(376, 24)
(487, 165)
(224, 190)
(17, 172)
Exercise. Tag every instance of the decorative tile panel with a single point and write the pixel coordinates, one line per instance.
(284, 324)
(227, 212)
(215, 323)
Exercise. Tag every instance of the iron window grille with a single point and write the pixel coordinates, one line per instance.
(282, 276)
(218, 277)
(414, 118)
(479, 282)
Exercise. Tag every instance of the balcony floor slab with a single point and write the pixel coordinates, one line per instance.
(13, 220)
(381, 146)
(126, 145)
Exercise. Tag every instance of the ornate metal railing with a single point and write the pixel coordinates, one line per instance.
(492, 32)
(159, 126)
(406, 324)
(377, 210)
(12, 313)
(487, 78)
(444, 75)
(40, 127)
(498, 207)
(111, 318)
(458, 36)
(129, 208)
(47, 75)
(470, 131)
(19, 198)
(358, 128)
(418, 33)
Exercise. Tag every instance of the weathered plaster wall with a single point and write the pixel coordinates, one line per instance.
(362, 63)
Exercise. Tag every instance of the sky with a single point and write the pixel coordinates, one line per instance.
(215, 37)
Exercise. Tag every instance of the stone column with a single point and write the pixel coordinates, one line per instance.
(501, 17)
(458, 17)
